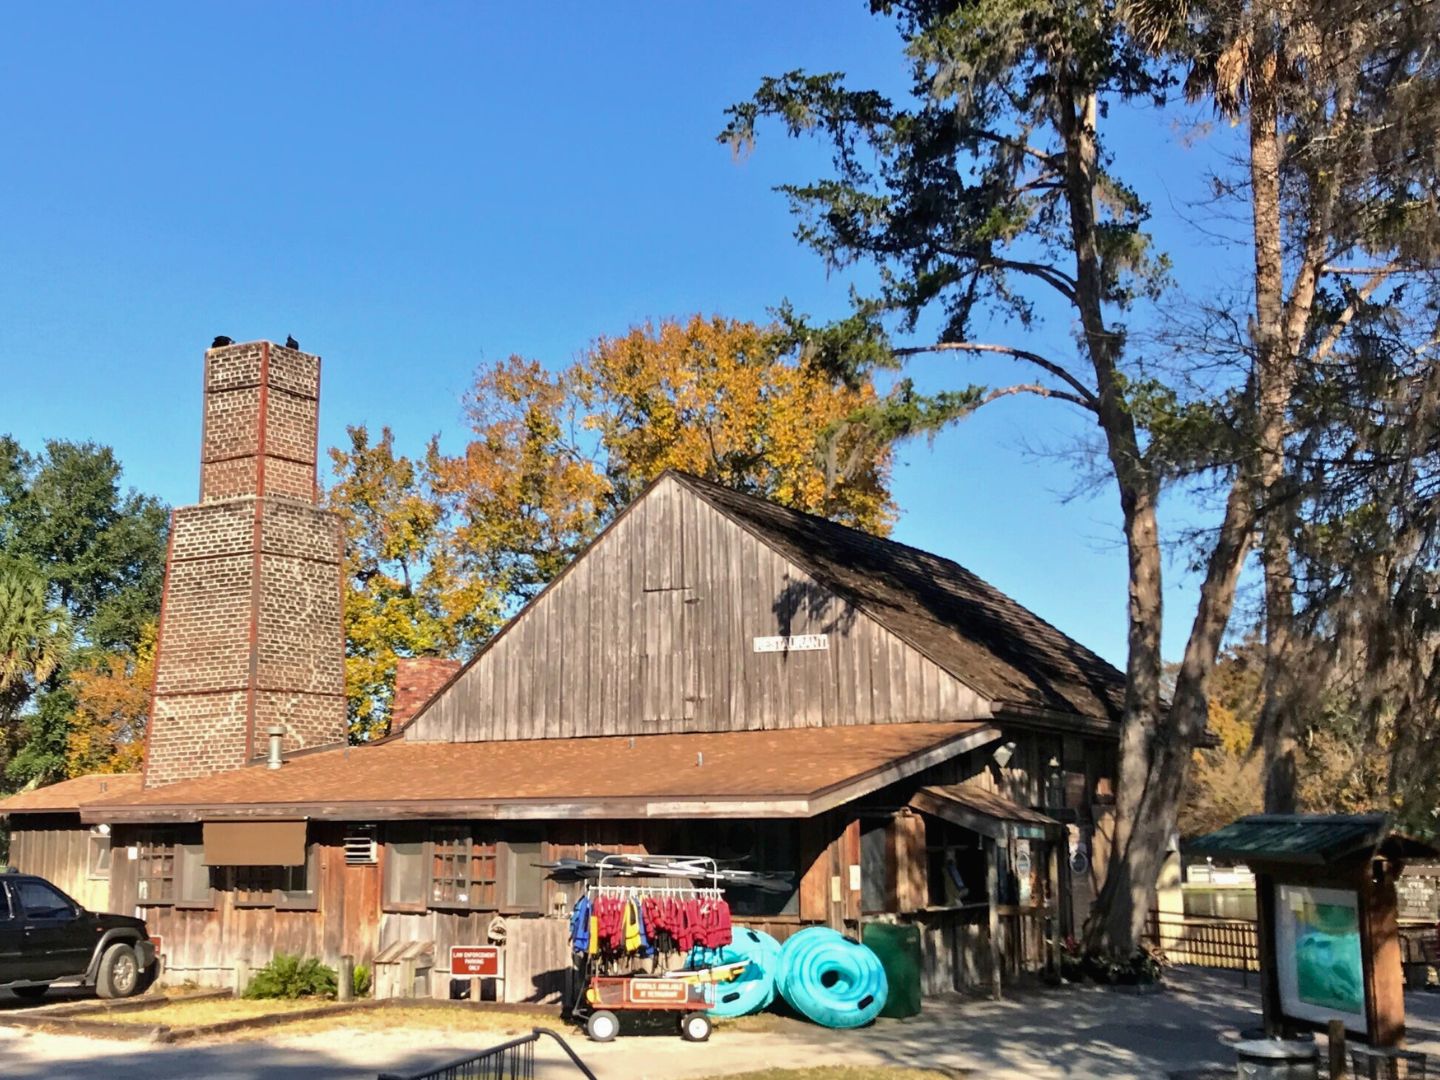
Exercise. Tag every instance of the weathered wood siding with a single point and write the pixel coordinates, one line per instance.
(653, 631)
(57, 847)
(204, 944)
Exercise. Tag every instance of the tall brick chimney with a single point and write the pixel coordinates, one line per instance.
(250, 630)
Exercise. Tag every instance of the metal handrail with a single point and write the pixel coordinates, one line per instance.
(458, 1068)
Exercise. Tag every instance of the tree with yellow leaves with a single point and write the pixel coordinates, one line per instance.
(729, 401)
(440, 551)
(402, 596)
(111, 692)
(555, 456)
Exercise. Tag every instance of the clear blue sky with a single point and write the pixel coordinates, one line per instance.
(413, 189)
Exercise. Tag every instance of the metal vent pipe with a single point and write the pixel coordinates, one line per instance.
(276, 733)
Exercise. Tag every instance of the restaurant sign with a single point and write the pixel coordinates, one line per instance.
(793, 643)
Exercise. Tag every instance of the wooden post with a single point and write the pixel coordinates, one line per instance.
(242, 977)
(992, 892)
(1057, 917)
(345, 979)
(1337, 1049)
(475, 990)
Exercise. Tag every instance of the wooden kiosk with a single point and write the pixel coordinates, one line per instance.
(1328, 927)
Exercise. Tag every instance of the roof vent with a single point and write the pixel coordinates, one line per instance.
(361, 848)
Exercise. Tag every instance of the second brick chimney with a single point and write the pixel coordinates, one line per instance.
(416, 680)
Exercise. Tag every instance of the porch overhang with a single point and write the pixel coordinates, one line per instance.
(985, 812)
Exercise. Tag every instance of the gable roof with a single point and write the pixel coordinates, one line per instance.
(960, 622)
(69, 795)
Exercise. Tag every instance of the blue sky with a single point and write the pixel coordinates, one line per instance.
(414, 189)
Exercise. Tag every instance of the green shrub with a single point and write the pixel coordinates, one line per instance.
(289, 976)
(362, 981)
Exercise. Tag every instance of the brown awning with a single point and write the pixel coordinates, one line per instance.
(254, 843)
(984, 812)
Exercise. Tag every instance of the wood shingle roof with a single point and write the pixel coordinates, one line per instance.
(962, 623)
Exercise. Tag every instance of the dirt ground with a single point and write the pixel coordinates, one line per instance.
(1075, 1034)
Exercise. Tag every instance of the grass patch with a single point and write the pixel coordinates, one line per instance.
(428, 1018)
(180, 1014)
(844, 1072)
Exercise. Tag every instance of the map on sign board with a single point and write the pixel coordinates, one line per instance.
(793, 643)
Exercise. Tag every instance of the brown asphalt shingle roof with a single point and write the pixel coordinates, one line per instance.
(967, 626)
(68, 795)
(741, 765)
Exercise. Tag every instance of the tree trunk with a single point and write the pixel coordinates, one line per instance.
(1122, 910)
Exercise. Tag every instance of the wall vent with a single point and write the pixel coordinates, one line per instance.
(361, 848)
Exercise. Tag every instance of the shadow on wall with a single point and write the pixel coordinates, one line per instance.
(824, 612)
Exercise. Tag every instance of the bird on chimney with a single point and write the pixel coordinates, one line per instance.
(221, 340)
(290, 342)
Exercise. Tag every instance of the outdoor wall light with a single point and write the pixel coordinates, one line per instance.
(1003, 753)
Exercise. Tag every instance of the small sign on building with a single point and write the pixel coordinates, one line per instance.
(474, 961)
(793, 643)
(657, 992)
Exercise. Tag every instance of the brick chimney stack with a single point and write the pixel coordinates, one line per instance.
(250, 630)
(417, 678)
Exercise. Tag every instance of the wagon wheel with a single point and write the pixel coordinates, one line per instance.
(695, 1027)
(602, 1025)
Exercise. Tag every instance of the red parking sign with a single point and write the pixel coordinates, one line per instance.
(474, 961)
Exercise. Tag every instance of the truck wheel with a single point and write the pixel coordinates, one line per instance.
(119, 974)
(695, 1027)
(602, 1025)
(30, 993)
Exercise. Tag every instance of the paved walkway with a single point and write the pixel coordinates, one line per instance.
(1074, 1034)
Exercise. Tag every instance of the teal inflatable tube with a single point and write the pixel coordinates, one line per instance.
(834, 981)
(755, 989)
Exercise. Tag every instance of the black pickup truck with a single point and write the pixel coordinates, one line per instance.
(46, 938)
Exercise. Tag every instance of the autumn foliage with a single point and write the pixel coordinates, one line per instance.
(442, 549)
(111, 692)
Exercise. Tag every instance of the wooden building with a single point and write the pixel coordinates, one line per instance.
(715, 675)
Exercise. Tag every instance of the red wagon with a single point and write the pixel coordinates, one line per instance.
(650, 994)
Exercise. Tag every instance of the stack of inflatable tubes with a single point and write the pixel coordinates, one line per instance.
(830, 979)
(755, 989)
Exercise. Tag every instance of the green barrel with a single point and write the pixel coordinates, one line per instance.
(898, 948)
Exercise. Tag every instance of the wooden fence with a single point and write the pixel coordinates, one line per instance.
(1204, 941)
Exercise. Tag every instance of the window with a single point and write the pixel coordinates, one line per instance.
(99, 860)
(255, 885)
(405, 879)
(775, 849)
(285, 888)
(450, 867)
(296, 886)
(462, 869)
(43, 901)
(155, 869)
(194, 889)
(524, 879)
(955, 865)
(876, 885)
(6, 914)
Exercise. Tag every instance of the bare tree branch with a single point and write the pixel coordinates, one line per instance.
(1083, 395)
(1332, 336)
(1032, 388)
